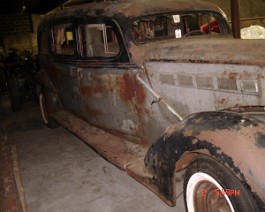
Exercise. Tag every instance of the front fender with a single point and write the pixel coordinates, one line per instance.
(237, 141)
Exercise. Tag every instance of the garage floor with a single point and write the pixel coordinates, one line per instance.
(61, 173)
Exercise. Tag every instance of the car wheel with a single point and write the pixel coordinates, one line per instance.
(14, 94)
(210, 186)
(48, 121)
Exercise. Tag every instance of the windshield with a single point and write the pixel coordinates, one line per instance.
(178, 26)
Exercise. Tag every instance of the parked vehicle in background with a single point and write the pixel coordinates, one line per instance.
(156, 87)
(17, 77)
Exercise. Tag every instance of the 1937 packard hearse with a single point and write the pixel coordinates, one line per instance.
(160, 86)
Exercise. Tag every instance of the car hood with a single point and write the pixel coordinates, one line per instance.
(212, 50)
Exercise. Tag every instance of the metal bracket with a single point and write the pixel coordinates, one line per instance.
(158, 97)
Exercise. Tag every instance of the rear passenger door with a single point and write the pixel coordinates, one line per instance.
(65, 71)
(108, 85)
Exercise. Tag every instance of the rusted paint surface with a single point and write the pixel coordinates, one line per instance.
(245, 109)
(92, 111)
(248, 146)
(230, 51)
(189, 75)
(130, 9)
(233, 139)
(98, 84)
(133, 9)
(114, 99)
(211, 86)
(119, 151)
(131, 88)
(133, 92)
(138, 171)
(125, 88)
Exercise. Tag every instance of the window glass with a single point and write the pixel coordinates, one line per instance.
(176, 26)
(98, 40)
(63, 39)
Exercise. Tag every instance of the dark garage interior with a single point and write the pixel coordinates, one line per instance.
(44, 169)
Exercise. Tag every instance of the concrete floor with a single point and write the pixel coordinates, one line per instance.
(61, 173)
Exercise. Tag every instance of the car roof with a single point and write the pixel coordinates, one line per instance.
(131, 9)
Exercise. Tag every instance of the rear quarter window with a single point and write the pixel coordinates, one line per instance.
(63, 39)
(98, 40)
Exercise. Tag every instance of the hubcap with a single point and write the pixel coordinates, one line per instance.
(203, 193)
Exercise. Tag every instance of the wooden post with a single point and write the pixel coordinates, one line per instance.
(235, 18)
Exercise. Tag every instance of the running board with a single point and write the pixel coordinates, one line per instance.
(117, 150)
(124, 154)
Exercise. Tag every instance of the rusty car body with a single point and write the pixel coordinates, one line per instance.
(156, 87)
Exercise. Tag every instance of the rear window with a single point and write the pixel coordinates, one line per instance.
(98, 40)
(64, 39)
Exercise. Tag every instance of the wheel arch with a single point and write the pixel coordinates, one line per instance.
(235, 140)
(45, 85)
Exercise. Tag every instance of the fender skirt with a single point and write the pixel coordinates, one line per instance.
(235, 140)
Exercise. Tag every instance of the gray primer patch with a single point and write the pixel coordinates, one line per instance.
(260, 140)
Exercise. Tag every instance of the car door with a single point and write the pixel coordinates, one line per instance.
(65, 71)
(109, 85)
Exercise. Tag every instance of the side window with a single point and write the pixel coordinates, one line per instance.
(64, 42)
(98, 40)
(152, 28)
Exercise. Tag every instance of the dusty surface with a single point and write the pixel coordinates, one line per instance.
(9, 195)
(61, 173)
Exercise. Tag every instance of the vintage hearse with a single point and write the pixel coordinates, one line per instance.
(160, 86)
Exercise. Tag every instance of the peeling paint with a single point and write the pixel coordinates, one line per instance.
(146, 86)
(194, 135)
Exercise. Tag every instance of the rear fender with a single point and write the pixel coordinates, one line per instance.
(44, 84)
(235, 140)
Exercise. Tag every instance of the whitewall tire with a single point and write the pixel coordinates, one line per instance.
(209, 186)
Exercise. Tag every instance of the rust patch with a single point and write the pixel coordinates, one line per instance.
(140, 92)
(187, 132)
(222, 101)
(89, 91)
(243, 75)
(99, 84)
(109, 144)
(169, 131)
(130, 88)
(247, 75)
(141, 110)
(126, 86)
(92, 111)
(232, 75)
(96, 87)
(194, 141)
